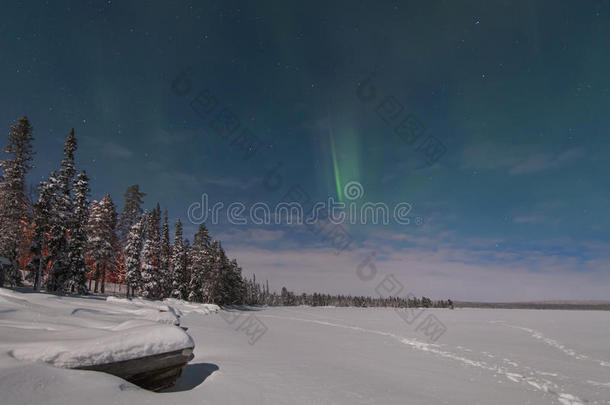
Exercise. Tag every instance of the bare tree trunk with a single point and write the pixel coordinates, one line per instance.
(13, 279)
(38, 279)
(97, 277)
(104, 280)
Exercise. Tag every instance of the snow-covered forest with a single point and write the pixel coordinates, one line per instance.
(56, 239)
(65, 244)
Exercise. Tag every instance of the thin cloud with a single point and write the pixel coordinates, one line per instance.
(239, 235)
(193, 181)
(529, 219)
(117, 151)
(547, 161)
(518, 160)
(108, 148)
(229, 182)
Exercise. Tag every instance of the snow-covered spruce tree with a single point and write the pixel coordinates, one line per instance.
(200, 265)
(78, 233)
(62, 217)
(57, 245)
(14, 204)
(132, 212)
(150, 257)
(97, 245)
(179, 282)
(226, 285)
(187, 265)
(197, 270)
(133, 250)
(102, 239)
(110, 270)
(165, 257)
(42, 215)
(149, 282)
(237, 289)
(213, 286)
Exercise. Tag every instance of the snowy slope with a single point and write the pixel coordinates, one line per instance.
(71, 332)
(327, 355)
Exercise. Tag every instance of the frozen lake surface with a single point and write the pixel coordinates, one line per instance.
(301, 355)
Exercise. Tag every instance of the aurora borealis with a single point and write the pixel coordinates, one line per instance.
(518, 93)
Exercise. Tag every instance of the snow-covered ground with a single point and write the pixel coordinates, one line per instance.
(299, 355)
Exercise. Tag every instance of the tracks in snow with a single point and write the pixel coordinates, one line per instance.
(554, 343)
(508, 369)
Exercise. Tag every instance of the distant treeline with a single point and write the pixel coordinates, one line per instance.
(256, 294)
(602, 306)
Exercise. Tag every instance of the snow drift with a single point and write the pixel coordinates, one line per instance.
(88, 330)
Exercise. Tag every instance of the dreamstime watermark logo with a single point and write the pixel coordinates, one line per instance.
(337, 212)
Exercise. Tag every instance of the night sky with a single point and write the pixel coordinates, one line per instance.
(518, 94)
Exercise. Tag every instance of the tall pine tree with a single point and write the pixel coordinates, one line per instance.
(200, 260)
(62, 219)
(110, 270)
(57, 245)
(214, 291)
(132, 211)
(150, 257)
(42, 215)
(133, 250)
(179, 281)
(165, 256)
(14, 204)
(102, 240)
(187, 265)
(78, 233)
(236, 284)
(225, 284)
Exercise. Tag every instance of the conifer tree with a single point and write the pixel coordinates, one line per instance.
(42, 214)
(179, 280)
(149, 280)
(78, 233)
(110, 216)
(14, 204)
(224, 283)
(58, 248)
(150, 257)
(214, 289)
(61, 219)
(133, 251)
(67, 171)
(165, 256)
(132, 211)
(200, 260)
(187, 266)
(102, 239)
(237, 287)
